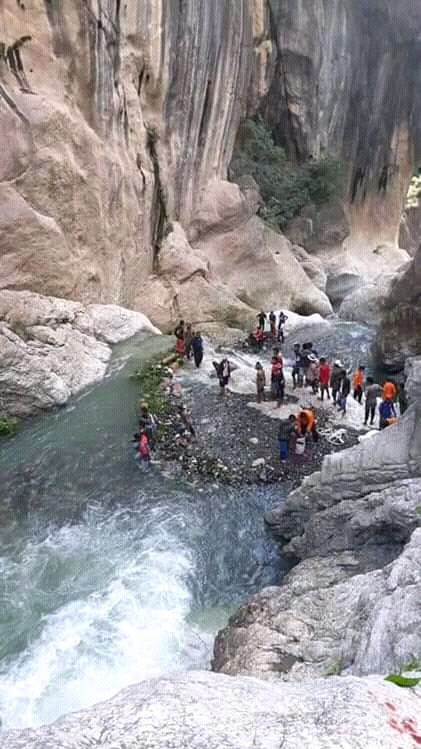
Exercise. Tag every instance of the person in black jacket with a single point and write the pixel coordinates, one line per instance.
(344, 391)
(197, 346)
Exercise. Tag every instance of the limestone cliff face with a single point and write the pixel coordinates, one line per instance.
(115, 118)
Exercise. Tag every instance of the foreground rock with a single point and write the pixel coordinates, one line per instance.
(217, 712)
(52, 348)
(353, 602)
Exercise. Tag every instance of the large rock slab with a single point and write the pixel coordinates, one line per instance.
(327, 618)
(52, 348)
(217, 712)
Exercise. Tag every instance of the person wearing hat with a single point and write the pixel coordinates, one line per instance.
(344, 391)
(336, 379)
(260, 382)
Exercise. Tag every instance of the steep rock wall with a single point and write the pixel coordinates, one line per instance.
(115, 117)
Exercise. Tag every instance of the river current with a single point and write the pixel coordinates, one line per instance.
(118, 575)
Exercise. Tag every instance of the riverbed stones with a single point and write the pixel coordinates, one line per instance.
(202, 709)
(51, 348)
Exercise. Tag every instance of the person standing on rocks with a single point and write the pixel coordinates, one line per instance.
(272, 322)
(324, 377)
(179, 335)
(312, 374)
(260, 382)
(281, 322)
(336, 379)
(344, 391)
(261, 318)
(297, 369)
(357, 383)
(188, 337)
(285, 434)
(197, 346)
(277, 379)
(223, 370)
(372, 392)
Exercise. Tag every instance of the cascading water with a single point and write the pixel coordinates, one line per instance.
(146, 570)
(138, 582)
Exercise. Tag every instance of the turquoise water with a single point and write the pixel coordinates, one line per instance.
(108, 575)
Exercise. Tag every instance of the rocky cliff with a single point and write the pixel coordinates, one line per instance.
(117, 124)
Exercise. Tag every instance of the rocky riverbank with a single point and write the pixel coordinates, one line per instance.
(235, 439)
(352, 604)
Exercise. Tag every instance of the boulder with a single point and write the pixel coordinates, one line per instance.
(366, 302)
(52, 348)
(201, 709)
(340, 283)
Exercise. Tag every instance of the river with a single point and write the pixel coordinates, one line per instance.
(118, 575)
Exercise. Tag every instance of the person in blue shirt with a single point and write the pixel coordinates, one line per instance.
(387, 412)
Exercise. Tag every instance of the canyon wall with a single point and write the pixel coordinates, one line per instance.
(118, 121)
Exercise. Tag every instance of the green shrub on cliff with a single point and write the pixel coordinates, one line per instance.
(285, 187)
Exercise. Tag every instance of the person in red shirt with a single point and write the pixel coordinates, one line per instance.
(324, 377)
(277, 379)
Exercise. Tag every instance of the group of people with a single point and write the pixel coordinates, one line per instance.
(258, 336)
(188, 342)
(314, 371)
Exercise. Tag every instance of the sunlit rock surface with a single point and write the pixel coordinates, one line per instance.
(201, 709)
(52, 348)
(115, 117)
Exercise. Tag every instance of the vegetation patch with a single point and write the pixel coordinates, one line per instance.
(8, 426)
(286, 187)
